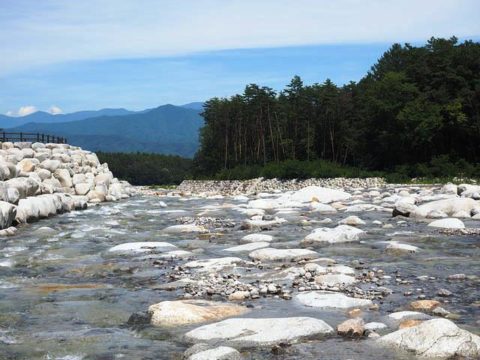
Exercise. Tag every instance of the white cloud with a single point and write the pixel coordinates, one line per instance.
(26, 110)
(55, 110)
(36, 33)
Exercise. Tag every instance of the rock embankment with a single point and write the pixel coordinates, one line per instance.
(258, 185)
(39, 180)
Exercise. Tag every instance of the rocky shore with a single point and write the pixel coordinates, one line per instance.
(40, 180)
(259, 185)
(211, 272)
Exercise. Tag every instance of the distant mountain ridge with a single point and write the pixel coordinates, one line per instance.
(167, 129)
(44, 117)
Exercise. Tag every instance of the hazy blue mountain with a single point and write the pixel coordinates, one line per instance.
(167, 129)
(44, 117)
(194, 105)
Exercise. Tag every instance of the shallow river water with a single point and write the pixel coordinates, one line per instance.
(64, 296)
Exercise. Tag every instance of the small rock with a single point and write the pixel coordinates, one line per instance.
(352, 328)
(425, 305)
(444, 293)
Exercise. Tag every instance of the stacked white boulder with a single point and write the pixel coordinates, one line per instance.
(39, 180)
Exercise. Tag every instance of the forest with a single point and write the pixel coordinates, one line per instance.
(147, 169)
(416, 112)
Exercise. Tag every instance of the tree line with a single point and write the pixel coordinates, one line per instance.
(415, 105)
(147, 169)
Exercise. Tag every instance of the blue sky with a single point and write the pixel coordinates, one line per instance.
(74, 55)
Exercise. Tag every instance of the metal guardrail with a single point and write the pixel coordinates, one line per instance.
(31, 137)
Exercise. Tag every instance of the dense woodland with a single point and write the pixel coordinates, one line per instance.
(416, 108)
(147, 169)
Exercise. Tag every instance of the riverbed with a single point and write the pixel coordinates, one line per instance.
(64, 295)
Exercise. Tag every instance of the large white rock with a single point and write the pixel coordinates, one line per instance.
(317, 194)
(471, 191)
(50, 165)
(437, 338)
(27, 165)
(339, 234)
(405, 206)
(247, 332)
(450, 223)
(450, 189)
(42, 206)
(43, 174)
(448, 207)
(8, 213)
(248, 247)
(251, 238)
(271, 254)
(25, 186)
(79, 179)
(104, 179)
(182, 312)
(333, 300)
(82, 188)
(63, 176)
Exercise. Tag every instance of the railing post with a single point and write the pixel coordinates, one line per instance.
(48, 138)
(38, 137)
(4, 136)
(43, 137)
(21, 137)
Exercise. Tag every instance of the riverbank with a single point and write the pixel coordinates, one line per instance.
(40, 180)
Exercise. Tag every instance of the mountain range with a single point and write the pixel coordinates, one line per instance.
(167, 129)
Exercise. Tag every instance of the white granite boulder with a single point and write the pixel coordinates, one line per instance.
(248, 332)
(437, 338)
(332, 300)
(339, 234)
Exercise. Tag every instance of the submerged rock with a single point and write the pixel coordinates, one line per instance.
(395, 247)
(438, 338)
(218, 353)
(248, 332)
(145, 246)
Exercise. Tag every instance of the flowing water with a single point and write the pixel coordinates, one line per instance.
(64, 296)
